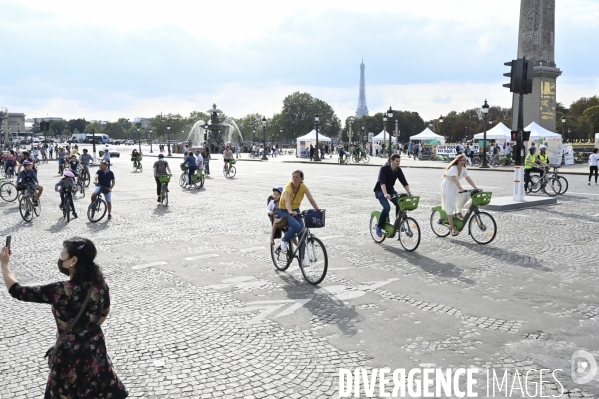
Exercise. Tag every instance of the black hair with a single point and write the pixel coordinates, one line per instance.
(595, 150)
(86, 270)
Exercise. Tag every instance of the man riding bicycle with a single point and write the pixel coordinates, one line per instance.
(384, 191)
(85, 160)
(160, 168)
(134, 157)
(60, 155)
(227, 156)
(530, 165)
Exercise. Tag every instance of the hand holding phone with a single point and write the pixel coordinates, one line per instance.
(8, 240)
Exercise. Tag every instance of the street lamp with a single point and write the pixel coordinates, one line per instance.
(486, 115)
(563, 123)
(316, 127)
(280, 137)
(396, 133)
(264, 158)
(168, 133)
(206, 134)
(384, 133)
(389, 117)
(139, 139)
(440, 124)
(94, 142)
(150, 135)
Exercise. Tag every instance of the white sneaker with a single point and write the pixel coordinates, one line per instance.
(284, 246)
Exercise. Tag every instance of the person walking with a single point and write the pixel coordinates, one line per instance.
(79, 364)
(593, 164)
(206, 157)
(311, 152)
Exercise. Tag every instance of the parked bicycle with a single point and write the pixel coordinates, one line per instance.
(284, 152)
(97, 209)
(563, 181)
(28, 207)
(407, 227)
(425, 155)
(549, 184)
(481, 225)
(317, 261)
(229, 170)
(8, 190)
(164, 180)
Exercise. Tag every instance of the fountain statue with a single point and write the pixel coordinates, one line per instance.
(201, 130)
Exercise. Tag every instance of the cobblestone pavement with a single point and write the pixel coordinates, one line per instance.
(198, 309)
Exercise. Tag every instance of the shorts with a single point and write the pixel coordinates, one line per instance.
(107, 196)
(60, 161)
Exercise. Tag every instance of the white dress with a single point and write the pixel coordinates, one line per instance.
(451, 199)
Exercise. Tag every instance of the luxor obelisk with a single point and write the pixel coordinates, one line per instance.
(536, 42)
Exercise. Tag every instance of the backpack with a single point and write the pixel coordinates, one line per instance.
(160, 167)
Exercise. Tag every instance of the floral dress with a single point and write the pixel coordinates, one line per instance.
(82, 368)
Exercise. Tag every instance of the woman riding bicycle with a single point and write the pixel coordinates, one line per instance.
(292, 197)
(452, 198)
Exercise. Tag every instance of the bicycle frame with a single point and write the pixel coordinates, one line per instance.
(458, 223)
(391, 229)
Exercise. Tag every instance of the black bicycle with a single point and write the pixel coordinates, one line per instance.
(8, 191)
(97, 209)
(28, 206)
(84, 175)
(316, 263)
(66, 206)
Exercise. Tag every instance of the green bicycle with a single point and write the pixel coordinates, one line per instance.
(407, 227)
(481, 225)
(137, 164)
(229, 170)
(164, 180)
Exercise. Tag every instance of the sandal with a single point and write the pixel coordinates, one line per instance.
(454, 232)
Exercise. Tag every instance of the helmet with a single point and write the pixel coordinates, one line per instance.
(532, 148)
(25, 163)
(543, 147)
(160, 156)
(68, 173)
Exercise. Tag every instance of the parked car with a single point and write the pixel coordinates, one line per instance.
(112, 151)
(117, 142)
(129, 142)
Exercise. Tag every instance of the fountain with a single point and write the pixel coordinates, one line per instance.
(198, 133)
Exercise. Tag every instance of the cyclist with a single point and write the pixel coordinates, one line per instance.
(134, 156)
(44, 152)
(342, 154)
(67, 186)
(60, 155)
(9, 162)
(384, 189)
(190, 161)
(106, 157)
(73, 165)
(292, 197)
(85, 159)
(36, 154)
(452, 199)
(28, 178)
(543, 158)
(104, 178)
(75, 151)
(25, 156)
(160, 168)
(227, 155)
(530, 165)
(206, 158)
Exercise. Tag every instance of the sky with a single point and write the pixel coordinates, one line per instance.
(110, 59)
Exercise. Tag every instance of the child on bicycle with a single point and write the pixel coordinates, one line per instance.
(73, 165)
(67, 186)
(273, 211)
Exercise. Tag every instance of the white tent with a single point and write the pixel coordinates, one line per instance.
(428, 134)
(383, 136)
(538, 132)
(303, 143)
(499, 132)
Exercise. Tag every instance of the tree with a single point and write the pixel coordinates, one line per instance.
(591, 115)
(58, 127)
(298, 114)
(78, 124)
(124, 124)
(250, 127)
(113, 130)
(35, 127)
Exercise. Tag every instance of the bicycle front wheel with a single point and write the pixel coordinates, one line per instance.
(37, 209)
(25, 207)
(8, 192)
(96, 210)
(232, 172)
(439, 229)
(315, 269)
(366, 159)
(409, 234)
(373, 224)
(183, 179)
(534, 185)
(482, 227)
(280, 258)
(164, 195)
(553, 187)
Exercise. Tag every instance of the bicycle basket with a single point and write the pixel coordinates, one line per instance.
(314, 219)
(232, 161)
(408, 203)
(138, 158)
(481, 198)
(164, 178)
(183, 167)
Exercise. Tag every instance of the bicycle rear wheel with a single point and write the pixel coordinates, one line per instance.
(439, 229)
(25, 208)
(316, 268)
(96, 210)
(409, 234)
(564, 184)
(534, 185)
(373, 224)
(80, 190)
(482, 227)
(8, 192)
(85, 178)
(66, 209)
(281, 259)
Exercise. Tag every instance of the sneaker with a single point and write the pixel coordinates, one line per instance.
(284, 246)
(158, 200)
(590, 183)
(109, 216)
(74, 215)
(379, 232)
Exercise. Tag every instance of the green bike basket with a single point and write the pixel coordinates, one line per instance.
(408, 203)
(164, 178)
(482, 198)
(232, 161)
(183, 167)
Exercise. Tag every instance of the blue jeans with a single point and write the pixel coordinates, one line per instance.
(386, 207)
(295, 224)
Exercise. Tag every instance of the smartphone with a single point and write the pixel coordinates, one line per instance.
(8, 239)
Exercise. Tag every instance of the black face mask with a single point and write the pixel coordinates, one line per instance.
(61, 269)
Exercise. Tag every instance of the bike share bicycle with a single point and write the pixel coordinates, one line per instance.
(197, 180)
(407, 227)
(481, 225)
(315, 269)
(229, 170)
(137, 167)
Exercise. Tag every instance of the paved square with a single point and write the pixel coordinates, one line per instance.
(198, 309)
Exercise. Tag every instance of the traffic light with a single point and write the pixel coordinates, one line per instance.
(528, 75)
(521, 74)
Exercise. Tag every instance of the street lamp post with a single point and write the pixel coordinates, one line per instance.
(486, 115)
(316, 127)
(396, 133)
(350, 122)
(384, 133)
(139, 139)
(389, 117)
(563, 123)
(94, 143)
(150, 135)
(264, 157)
(168, 133)
(280, 137)
(440, 124)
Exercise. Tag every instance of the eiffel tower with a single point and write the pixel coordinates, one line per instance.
(362, 107)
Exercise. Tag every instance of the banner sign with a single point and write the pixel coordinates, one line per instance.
(451, 149)
(569, 155)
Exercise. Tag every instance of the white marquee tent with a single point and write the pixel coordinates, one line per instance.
(383, 136)
(538, 132)
(428, 134)
(499, 132)
(303, 142)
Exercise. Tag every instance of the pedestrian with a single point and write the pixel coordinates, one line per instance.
(51, 151)
(79, 363)
(206, 157)
(274, 150)
(311, 152)
(593, 164)
(104, 181)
